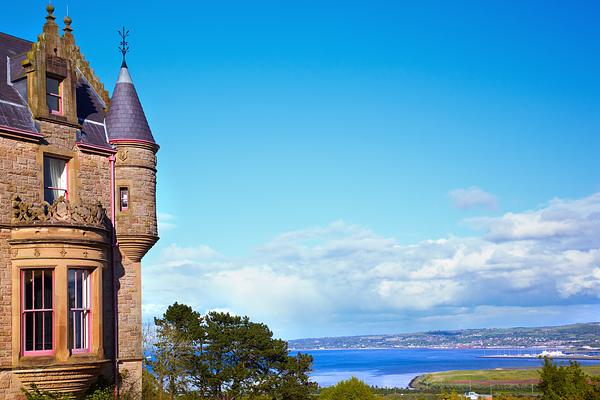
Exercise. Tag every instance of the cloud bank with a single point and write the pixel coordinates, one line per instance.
(535, 267)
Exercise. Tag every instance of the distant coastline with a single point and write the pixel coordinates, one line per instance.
(583, 337)
(397, 368)
(456, 348)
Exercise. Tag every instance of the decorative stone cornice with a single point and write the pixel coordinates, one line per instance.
(136, 246)
(59, 212)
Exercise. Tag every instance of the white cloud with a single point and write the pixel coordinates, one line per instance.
(473, 197)
(341, 278)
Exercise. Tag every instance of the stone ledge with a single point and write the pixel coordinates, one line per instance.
(70, 380)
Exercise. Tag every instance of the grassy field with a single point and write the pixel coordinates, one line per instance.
(507, 379)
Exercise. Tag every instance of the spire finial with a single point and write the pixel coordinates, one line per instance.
(50, 10)
(68, 22)
(124, 45)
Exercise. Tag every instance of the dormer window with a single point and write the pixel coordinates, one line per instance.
(54, 95)
(55, 179)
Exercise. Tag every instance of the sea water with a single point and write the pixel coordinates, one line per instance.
(397, 367)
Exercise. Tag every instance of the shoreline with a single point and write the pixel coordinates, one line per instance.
(441, 348)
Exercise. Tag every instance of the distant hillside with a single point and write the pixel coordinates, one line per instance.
(576, 336)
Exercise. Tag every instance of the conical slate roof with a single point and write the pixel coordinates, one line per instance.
(126, 119)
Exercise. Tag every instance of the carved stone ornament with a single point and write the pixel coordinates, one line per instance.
(14, 253)
(63, 252)
(36, 252)
(123, 155)
(59, 212)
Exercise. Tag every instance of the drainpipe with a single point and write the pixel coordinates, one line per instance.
(115, 249)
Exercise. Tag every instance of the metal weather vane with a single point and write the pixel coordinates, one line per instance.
(124, 45)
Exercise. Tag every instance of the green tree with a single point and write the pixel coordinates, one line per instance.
(174, 349)
(565, 382)
(222, 356)
(351, 389)
(241, 358)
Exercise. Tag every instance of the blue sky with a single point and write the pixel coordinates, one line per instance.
(365, 167)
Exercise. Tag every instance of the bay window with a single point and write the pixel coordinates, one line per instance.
(55, 179)
(37, 311)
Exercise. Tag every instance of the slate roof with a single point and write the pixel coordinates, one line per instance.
(126, 118)
(14, 110)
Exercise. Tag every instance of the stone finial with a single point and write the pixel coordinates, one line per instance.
(50, 10)
(50, 27)
(67, 29)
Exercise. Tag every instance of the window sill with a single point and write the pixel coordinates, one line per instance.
(41, 360)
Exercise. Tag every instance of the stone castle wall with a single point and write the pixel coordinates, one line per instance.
(21, 173)
(136, 169)
(136, 233)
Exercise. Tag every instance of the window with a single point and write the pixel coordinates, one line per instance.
(124, 198)
(79, 310)
(53, 95)
(55, 179)
(37, 315)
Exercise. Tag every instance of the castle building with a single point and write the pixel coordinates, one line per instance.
(77, 214)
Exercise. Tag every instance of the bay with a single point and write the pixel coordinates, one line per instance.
(397, 367)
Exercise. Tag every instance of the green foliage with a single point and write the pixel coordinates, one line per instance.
(451, 396)
(34, 393)
(174, 351)
(351, 389)
(566, 382)
(106, 393)
(221, 356)
(150, 387)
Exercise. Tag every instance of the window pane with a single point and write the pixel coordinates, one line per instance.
(78, 329)
(28, 331)
(79, 289)
(85, 318)
(71, 288)
(70, 330)
(52, 85)
(27, 276)
(39, 330)
(47, 289)
(86, 290)
(53, 103)
(37, 289)
(55, 177)
(48, 330)
(124, 196)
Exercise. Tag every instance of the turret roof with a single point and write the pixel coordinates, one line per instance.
(126, 119)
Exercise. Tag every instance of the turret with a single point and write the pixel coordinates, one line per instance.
(135, 221)
(135, 169)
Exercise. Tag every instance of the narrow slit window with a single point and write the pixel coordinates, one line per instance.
(37, 316)
(53, 95)
(79, 310)
(55, 179)
(124, 198)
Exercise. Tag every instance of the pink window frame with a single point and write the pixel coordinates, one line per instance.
(58, 95)
(121, 190)
(64, 190)
(73, 310)
(23, 312)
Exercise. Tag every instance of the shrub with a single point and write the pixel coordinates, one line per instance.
(351, 389)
